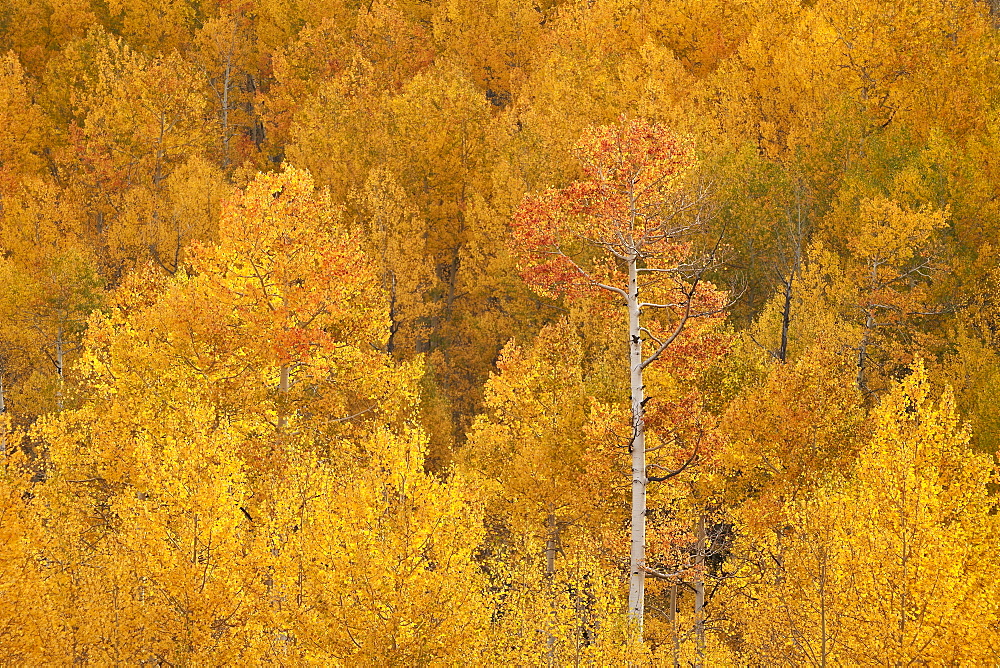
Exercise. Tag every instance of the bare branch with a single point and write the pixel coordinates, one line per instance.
(612, 288)
(689, 295)
(944, 310)
(651, 336)
(583, 272)
(677, 330)
(351, 417)
(677, 472)
(659, 574)
(645, 304)
(764, 348)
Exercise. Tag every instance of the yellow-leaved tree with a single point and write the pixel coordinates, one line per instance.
(52, 284)
(133, 122)
(219, 497)
(878, 287)
(531, 449)
(553, 504)
(891, 563)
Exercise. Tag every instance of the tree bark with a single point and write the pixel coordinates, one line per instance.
(699, 593)
(822, 608)
(3, 409)
(675, 637)
(637, 576)
(550, 570)
(226, 84)
(862, 379)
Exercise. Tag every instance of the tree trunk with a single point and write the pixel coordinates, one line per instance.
(637, 576)
(863, 356)
(390, 345)
(550, 545)
(3, 409)
(226, 84)
(786, 318)
(699, 592)
(550, 570)
(282, 395)
(675, 637)
(60, 364)
(822, 609)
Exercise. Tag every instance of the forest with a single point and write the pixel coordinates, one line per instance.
(500, 332)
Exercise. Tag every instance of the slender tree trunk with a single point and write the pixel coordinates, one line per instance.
(551, 539)
(904, 580)
(675, 636)
(637, 576)
(282, 395)
(699, 593)
(390, 345)
(60, 363)
(786, 318)
(452, 283)
(3, 409)
(822, 608)
(550, 570)
(863, 356)
(225, 108)
(227, 85)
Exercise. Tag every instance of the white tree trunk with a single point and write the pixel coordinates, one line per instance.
(637, 576)
(862, 361)
(226, 84)
(699, 593)
(550, 571)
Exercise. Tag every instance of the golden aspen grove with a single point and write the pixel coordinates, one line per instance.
(500, 332)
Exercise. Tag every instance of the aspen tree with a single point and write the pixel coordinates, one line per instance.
(624, 228)
(52, 286)
(879, 286)
(133, 121)
(190, 526)
(22, 123)
(530, 443)
(892, 562)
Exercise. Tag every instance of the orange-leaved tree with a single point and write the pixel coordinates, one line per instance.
(626, 228)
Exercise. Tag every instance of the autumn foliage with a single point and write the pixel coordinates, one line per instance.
(630, 180)
(454, 332)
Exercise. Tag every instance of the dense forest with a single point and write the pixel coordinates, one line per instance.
(471, 332)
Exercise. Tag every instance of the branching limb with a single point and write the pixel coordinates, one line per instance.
(351, 417)
(651, 305)
(651, 336)
(764, 348)
(583, 272)
(659, 574)
(677, 329)
(677, 472)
